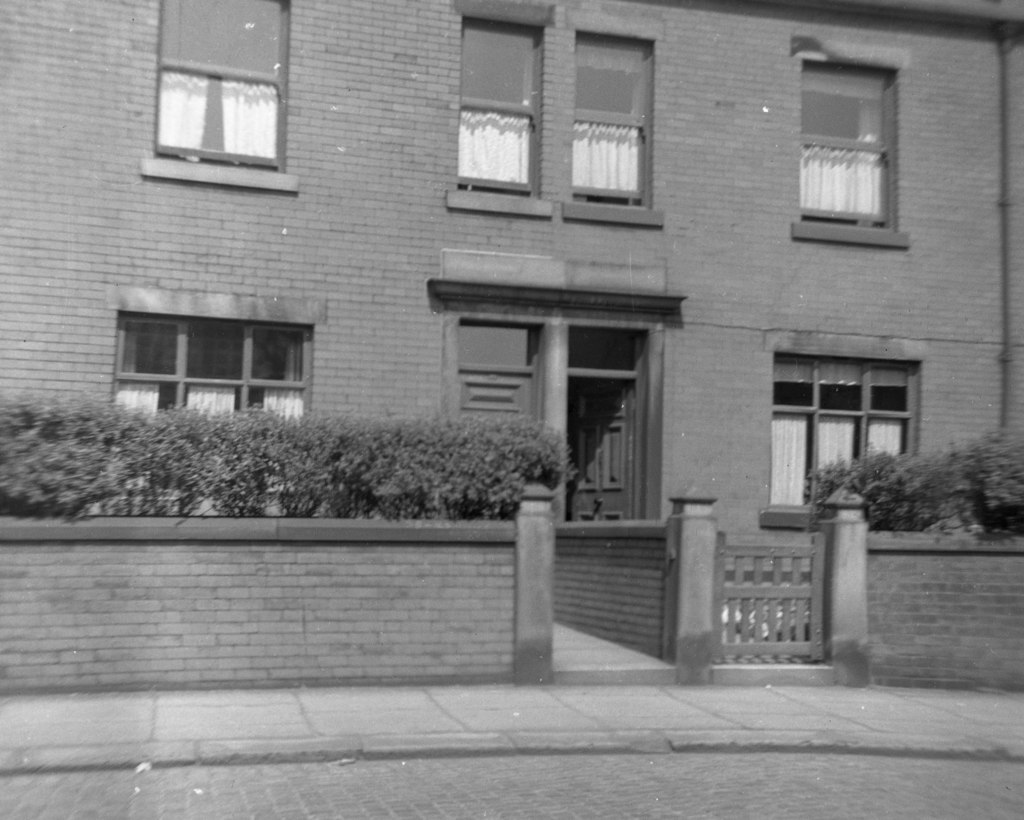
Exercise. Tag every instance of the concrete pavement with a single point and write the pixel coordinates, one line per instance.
(54, 732)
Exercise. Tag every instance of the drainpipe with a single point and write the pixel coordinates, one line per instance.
(1005, 35)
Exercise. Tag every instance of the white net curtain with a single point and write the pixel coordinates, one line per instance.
(789, 458)
(841, 180)
(144, 397)
(606, 157)
(283, 402)
(249, 114)
(211, 400)
(494, 146)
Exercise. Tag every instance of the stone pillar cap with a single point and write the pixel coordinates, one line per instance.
(537, 492)
(846, 499)
(693, 495)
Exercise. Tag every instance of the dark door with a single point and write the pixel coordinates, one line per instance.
(601, 443)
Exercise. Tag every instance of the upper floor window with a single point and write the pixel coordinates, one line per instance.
(500, 101)
(833, 410)
(611, 134)
(210, 365)
(847, 156)
(222, 73)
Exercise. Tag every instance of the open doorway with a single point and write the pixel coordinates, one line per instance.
(590, 382)
(601, 423)
(601, 432)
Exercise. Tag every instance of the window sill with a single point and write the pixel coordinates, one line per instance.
(219, 175)
(797, 517)
(500, 204)
(618, 214)
(850, 235)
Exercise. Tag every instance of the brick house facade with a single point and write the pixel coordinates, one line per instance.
(619, 216)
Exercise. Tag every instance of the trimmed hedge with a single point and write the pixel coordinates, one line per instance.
(93, 458)
(978, 485)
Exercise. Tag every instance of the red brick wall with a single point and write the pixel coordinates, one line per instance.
(112, 613)
(372, 125)
(945, 614)
(610, 583)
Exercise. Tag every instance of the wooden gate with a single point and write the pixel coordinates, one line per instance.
(771, 600)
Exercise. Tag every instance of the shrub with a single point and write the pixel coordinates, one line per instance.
(460, 469)
(992, 478)
(167, 465)
(71, 459)
(979, 484)
(57, 458)
(902, 492)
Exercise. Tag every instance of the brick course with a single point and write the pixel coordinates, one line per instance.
(117, 614)
(952, 619)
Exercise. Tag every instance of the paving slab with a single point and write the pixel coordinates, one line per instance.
(639, 709)
(332, 712)
(78, 719)
(223, 716)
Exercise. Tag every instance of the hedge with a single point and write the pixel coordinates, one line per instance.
(86, 457)
(978, 485)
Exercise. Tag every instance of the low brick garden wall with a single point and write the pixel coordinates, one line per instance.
(946, 611)
(139, 603)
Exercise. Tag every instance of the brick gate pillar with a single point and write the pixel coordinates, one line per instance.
(535, 587)
(846, 588)
(694, 526)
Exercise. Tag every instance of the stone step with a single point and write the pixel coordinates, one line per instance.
(662, 676)
(773, 674)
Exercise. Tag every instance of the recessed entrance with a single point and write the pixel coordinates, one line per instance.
(591, 382)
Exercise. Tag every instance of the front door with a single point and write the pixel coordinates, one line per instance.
(600, 428)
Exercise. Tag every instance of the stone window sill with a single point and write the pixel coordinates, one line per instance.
(219, 175)
(850, 235)
(499, 204)
(618, 214)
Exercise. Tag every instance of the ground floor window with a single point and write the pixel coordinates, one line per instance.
(211, 365)
(834, 410)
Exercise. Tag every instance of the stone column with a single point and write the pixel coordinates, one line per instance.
(535, 587)
(696, 527)
(554, 389)
(846, 588)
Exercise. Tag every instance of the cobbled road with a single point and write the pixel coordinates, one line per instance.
(742, 785)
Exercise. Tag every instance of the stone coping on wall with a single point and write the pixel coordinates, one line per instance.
(611, 529)
(298, 530)
(944, 542)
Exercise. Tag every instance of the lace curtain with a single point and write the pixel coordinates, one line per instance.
(789, 458)
(844, 180)
(606, 157)
(250, 119)
(885, 436)
(211, 400)
(249, 114)
(284, 402)
(182, 109)
(835, 440)
(494, 146)
(145, 397)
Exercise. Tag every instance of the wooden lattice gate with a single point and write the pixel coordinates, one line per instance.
(770, 600)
